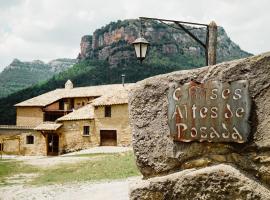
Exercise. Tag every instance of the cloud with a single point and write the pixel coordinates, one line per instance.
(49, 29)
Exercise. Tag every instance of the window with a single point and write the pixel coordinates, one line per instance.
(29, 139)
(108, 111)
(86, 130)
(1, 146)
(71, 104)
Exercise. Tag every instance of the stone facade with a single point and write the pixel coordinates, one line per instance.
(70, 134)
(66, 120)
(10, 143)
(158, 154)
(72, 138)
(29, 116)
(118, 121)
(79, 102)
(14, 142)
(37, 148)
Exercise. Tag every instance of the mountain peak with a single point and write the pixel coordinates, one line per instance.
(15, 61)
(113, 43)
(39, 62)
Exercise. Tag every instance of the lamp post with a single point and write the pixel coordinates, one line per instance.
(210, 43)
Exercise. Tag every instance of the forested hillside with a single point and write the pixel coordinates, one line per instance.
(19, 75)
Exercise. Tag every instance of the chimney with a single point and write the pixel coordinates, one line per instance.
(68, 85)
(123, 79)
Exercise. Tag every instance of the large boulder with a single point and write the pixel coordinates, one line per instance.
(215, 182)
(156, 151)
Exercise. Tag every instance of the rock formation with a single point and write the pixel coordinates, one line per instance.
(202, 170)
(113, 42)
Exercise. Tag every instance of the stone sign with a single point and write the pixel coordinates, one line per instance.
(211, 111)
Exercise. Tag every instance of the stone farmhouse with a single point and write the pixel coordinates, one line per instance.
(69, 119)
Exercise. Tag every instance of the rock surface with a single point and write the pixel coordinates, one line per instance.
(156, 152)
(216, 182)
(113, 43)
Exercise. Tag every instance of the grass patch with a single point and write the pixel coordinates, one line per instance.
(102, 167)
(98, 167)
(10, 167)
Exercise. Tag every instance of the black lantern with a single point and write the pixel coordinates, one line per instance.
(140, 45)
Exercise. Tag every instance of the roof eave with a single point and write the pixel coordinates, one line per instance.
(108, 104)
(61, 120)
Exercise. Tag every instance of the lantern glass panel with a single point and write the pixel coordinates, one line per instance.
(137, 49)
(143, 49)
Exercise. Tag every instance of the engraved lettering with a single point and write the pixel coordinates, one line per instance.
(237, 94)
(181, 127)
(179, 112)
(227, 133)
(177, 94)
(226, 93)
(236, 135)
(214, 112)
(203, 133)
(214, 133)
(194, 132)
(214, 94)
(228, 112)
(239, 112)
(203, 112)
(195, 117)
(194, 111)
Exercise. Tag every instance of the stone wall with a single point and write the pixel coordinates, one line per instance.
(15, 142)
(29, 116)
(157, 154)
(79, 102)
(72, 138)
(118, 121)
(38, 148)
(11, 146)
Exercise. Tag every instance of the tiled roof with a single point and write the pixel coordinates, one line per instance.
(48, 126)
(113, 98)
(14, 127)
(85, 112)
(55, 95)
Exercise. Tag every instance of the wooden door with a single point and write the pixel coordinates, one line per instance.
(52, 145)
(108, 138)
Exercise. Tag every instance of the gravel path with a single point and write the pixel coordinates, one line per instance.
(49, 161)
(105, 149)
(111, 190)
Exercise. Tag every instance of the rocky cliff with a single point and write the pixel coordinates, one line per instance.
(19, 75)
(113, 43)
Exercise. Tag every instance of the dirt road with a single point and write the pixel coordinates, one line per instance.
(113, 190)
(104, 190)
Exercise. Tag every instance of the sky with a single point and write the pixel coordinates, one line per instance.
(50, 29)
